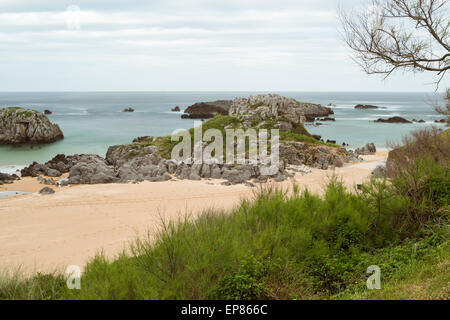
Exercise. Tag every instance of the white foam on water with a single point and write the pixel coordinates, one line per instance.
(11, 169)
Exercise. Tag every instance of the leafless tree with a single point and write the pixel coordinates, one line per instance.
(408, 35)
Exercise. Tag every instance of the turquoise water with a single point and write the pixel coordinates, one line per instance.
(92, 121)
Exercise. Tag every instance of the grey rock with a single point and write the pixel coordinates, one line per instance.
(216, 172)
(18, 126)
(91, 169)
(338, 161)
(238, 175)
(53, 173)
(194, 175)
(366, 150)
(206, 171)
(46, 191)
(8, 178)
(380, 171)
(63, 182)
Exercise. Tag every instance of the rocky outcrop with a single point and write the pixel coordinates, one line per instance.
(176, 109)
(393, 120)
(47, 112)
(369, 148)
(207, 110)
(18, 126)
(366, 106)
(8, 178)
(128, 110)
(274, 106)
(138, 163)
(91, 169)
(320, 157)
(315, 110)
(53, 168)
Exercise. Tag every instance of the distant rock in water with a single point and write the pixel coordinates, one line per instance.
(394, 120)
(206, 110)
(47, 112)
(366, 106)
(176, 109)
(440, 121)
(18, 126)
(128, 110)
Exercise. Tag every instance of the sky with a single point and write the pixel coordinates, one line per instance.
(183, 45)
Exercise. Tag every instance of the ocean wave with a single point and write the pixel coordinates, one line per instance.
(11, 169)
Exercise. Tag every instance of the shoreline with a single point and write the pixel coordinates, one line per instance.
(44, 233)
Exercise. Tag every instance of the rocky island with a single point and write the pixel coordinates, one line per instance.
(148, 158)
(366, 106)
(393, 120)
(19, 126)
(207, 110)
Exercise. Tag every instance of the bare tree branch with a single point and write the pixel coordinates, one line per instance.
(412, 35)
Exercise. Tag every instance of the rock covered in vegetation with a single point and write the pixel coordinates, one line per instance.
(18, 126)
(393, 120)
(315, 156)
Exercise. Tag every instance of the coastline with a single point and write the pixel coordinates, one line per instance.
(75, 223)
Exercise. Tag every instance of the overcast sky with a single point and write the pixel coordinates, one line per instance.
(159, 45)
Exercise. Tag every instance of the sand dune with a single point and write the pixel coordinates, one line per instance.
(47, 233)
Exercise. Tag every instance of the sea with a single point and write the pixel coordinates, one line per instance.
(93, 121)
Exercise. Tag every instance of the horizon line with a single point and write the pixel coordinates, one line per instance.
(210, 91)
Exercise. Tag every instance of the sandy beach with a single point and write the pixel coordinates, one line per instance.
(46, 233)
